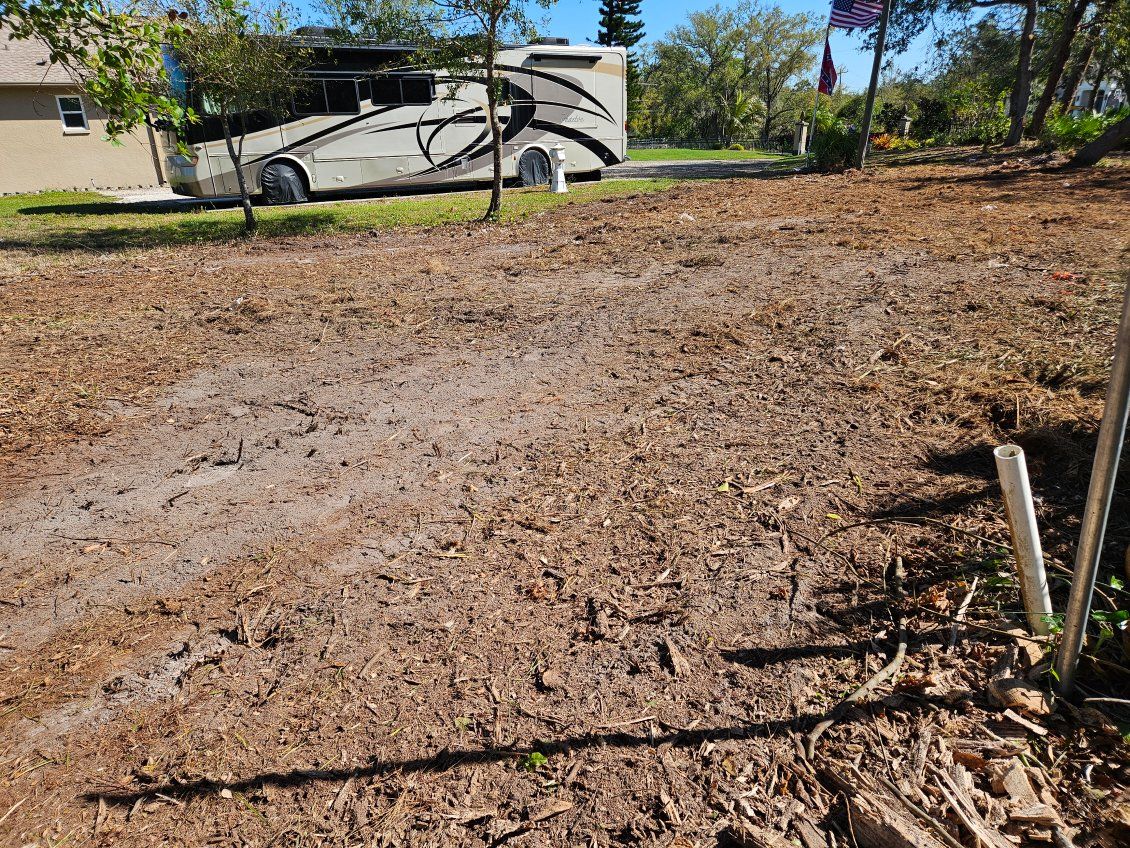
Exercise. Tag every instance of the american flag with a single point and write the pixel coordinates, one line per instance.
(849, 14)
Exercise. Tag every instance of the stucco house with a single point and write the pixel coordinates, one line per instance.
(51, 137)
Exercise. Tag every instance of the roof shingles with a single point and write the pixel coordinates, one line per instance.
(28, 63)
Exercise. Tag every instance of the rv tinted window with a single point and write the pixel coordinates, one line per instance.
(310, 99)
(417, 90)
(341, 97)
(386, 90)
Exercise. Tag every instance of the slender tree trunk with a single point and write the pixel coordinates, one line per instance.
(1071, 22)
(495, 128)
(1079, 69)
(1114, 136)
(768, 111)
(1022, 90)
(249, 221)
(1093, 96)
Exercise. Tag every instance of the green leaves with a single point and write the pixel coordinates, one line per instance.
(532, 761)
(1117, 619)
(114, 55)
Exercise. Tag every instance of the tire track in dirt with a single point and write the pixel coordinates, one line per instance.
(250, 455)
(258, 452)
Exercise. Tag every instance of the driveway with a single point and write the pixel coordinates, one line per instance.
(689, 169)
(696, 169)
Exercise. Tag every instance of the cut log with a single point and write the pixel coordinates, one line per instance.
(879, 817)
(877, 824)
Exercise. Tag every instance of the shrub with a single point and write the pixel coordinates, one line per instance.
(834, 149)
(899, 143)
(825, 120)
(735, 146)
(934, 118)
(886, 141)
(889, 118)
(882, 141)
(1067, 132)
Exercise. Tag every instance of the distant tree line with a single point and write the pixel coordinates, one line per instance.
(1001, 71)
(746, 71)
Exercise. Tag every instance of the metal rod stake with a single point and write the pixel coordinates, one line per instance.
(1112, 431)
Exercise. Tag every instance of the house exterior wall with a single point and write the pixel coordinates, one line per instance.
(1111, 97)
(38, 153)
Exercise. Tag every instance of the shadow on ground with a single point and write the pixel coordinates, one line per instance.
(709, 169)
(183, 230)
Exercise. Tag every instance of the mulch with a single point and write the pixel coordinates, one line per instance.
(628, 625)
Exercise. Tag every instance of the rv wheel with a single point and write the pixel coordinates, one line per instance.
(282, 184)
(533, 168)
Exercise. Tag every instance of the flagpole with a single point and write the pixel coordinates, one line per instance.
(880, 42)
(816, 100)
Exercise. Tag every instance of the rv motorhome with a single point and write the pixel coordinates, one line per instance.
(366, 118)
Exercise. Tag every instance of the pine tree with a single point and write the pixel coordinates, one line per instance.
(620, 26)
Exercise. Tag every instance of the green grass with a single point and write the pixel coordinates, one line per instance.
(675, 154)
(72, 221)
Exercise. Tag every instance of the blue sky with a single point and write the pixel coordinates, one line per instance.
(577, 21)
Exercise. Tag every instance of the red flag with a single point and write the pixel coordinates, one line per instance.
(827, 71)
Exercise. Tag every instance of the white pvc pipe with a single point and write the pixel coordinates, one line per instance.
(1013, 473)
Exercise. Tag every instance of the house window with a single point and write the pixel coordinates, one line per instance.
(73, 115)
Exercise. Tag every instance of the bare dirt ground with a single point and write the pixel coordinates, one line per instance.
(520, 535)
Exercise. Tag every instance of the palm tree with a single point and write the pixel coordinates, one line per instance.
(739, 114)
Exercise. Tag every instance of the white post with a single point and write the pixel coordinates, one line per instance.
(800, 138)
(1013, 473)
(558, 156)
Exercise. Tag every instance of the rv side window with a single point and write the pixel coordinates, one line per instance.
(402, 90)
(386, 91)
(310, 98)
(341, 97)
(417, 90)
(327, 97)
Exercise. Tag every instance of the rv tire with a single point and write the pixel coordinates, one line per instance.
(533, 169)
(282, 183)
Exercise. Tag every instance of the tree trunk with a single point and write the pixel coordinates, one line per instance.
(1093, 97)
(1114, 136)
(1071, 22)
(1022, 90)
(768, 111)
(249, 221)
(1079, 69)
(495, 130)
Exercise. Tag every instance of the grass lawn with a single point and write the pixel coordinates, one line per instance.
(674, 154)
(64, 221)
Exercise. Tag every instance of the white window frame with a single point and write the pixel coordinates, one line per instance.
(85, 128)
